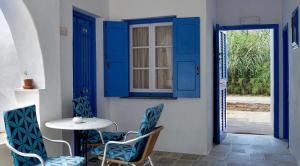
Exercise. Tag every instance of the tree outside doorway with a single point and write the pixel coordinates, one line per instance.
(249, 82)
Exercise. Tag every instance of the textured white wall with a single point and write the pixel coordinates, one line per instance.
(10, 69)
(230, 11)
(294, 92)
(185, 120)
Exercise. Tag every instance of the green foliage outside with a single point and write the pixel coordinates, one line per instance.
(249, 62)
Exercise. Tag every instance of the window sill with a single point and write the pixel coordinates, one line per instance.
(143, 95)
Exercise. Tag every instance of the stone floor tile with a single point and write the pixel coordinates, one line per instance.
(166, 161)
(189, 157)
(183, 162)
(200, 163)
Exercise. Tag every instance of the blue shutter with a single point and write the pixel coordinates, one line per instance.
(116, 57)
(186, 57)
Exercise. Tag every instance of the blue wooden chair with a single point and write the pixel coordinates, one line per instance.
(137, 150)
(82, 108)
(25, 140)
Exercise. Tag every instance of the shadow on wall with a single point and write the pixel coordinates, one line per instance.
(20, 52)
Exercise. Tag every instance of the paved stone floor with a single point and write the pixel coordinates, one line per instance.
(236, 150)
(247, 122)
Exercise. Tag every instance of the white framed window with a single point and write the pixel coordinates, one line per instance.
(151, 57)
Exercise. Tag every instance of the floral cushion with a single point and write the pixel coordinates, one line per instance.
(82, 107)
(63, 161)
(115, 151)
(94, 137)
(128, 152)
(23, 134)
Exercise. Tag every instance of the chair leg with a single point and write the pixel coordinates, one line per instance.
(150, 161)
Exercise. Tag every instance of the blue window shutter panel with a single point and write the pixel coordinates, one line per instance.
(116, 59)
(186, 57)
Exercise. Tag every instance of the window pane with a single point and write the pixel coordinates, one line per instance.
(140, 57)
(140, 36)
(163, 79)
(163, 35)
(141, 79)
(163, 57)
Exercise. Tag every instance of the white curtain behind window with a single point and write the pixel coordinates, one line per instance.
(140, 51)
(163, 57)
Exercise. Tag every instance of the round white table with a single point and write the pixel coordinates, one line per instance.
(86, 124)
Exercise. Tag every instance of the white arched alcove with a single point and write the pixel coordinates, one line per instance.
(20, 52)
(26, 39)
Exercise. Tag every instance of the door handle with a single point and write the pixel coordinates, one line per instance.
(197, 70)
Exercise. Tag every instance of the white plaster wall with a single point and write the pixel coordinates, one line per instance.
(95, 8)
(185, 120)
(10, 69)
(294, 92)
(229, 12)
(211, 22)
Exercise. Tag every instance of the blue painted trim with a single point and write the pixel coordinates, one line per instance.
(217, 136)
(295, 28)
(275, 28)
(145, 94)
(248, 27)
(150, 20)
(285, 37)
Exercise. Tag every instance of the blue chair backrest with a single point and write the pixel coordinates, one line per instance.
(23, 134)
(82, 107)
(148, 124)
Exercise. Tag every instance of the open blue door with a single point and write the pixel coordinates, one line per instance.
(285, 82)
(220, 86)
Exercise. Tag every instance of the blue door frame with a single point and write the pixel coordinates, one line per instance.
(275, 28)
(285, 60)
(84, 62)
(220, 91)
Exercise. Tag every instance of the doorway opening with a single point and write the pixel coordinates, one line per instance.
(249, 82)
(241, 85)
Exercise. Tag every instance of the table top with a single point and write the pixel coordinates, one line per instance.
(86, 124)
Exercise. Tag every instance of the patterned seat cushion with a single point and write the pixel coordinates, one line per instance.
(23, 134)
(115, 151)
(128, 152)
(94, 137)
(83, 108)
(63, 161)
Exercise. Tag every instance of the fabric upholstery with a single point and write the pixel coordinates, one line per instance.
(115, 151)
(148, 124)
(82, 108)
(94, 137)
(24, 135)
(63, 161)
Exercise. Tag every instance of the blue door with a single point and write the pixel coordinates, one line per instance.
(84, 62)
(220, 84)
(286, 82)
(84, 58)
